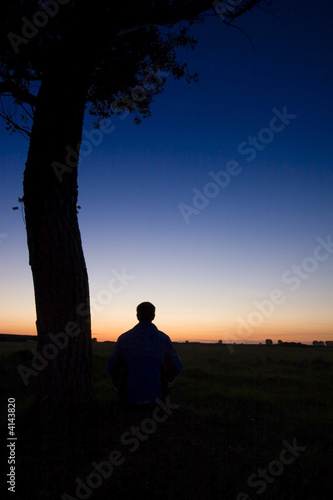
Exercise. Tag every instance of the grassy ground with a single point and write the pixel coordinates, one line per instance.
(255, 423)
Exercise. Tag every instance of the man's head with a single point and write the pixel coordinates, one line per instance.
(145, 312)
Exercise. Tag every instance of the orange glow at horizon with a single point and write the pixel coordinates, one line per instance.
(294, 333)
(286, 325)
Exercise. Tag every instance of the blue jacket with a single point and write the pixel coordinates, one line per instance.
(143, 361)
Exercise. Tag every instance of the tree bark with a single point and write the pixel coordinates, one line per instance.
(59, 273)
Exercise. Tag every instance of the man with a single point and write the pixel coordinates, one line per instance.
(144, 362)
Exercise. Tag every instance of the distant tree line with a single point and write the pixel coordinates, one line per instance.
(12, 337)
(315, 342)
(8, 337)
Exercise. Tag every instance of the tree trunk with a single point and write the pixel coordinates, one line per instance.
(59, 272)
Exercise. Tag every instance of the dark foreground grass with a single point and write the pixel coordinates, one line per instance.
(255, 423)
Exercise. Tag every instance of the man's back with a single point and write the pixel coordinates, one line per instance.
(143, 360)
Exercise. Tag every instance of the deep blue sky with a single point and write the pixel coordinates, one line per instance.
(207, 276)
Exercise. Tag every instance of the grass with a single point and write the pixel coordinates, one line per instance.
(236, 412)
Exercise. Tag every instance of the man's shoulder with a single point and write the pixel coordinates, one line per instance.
(163, 335)
(163, 339)
(125, 335)
(139, 329)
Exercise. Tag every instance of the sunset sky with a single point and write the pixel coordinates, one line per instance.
(218, 208)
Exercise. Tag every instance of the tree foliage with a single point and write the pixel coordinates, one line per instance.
(124, 49)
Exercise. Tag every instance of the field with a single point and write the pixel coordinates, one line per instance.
(248, 424)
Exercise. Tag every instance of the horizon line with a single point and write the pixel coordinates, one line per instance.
(193, 341)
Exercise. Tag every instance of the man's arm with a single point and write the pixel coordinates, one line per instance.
(172, 364)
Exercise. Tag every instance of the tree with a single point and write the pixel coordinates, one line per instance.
(58, 58)
(269, 342)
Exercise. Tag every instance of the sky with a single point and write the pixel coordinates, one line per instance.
(218, 208)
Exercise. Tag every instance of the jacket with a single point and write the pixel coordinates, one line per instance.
(143, 364)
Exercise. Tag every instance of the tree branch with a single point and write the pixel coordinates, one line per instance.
(165, 13)
(13, 126)
(18, 93)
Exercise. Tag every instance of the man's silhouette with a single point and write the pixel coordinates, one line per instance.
(144, 362)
